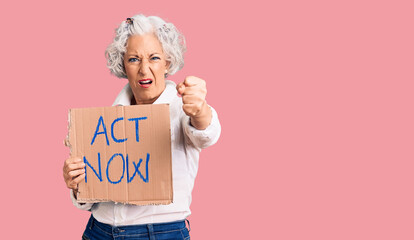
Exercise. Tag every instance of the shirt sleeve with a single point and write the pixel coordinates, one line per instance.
(81, 206)
(203, 138)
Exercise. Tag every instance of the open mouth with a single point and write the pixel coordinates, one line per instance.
(145, 82)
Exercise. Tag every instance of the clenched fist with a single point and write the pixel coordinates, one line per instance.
(193, 91)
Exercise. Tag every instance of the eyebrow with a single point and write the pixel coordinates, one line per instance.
(136, 54)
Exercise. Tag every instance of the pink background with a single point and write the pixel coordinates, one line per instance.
(315, 100)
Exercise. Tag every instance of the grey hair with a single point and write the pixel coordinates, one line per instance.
(172, 42)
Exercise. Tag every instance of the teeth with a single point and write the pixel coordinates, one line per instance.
(145, 82)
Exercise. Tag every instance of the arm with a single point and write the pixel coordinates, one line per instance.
(201, 124)
(206, 137)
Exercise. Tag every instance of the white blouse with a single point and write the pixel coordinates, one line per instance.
(186, 145)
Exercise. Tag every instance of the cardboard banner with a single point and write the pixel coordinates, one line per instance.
(127, 152)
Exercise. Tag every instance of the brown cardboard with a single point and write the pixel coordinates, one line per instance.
(88, 140)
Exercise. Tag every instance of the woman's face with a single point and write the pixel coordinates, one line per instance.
(145, 65)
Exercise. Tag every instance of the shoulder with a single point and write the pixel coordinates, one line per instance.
(124, 97)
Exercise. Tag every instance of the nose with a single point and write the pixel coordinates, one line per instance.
(144, 68)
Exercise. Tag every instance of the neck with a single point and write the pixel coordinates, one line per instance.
(137, 101)
(143, 102)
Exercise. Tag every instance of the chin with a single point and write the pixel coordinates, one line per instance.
(147, 99)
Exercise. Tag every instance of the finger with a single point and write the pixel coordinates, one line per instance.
(70, 161)
(76, 173)
(74, 183)
(181, 88)
(191, 99)
(75, 166)
(194, 99)
(195, 90)
(192, 81)
(78, 179)
(73, 160)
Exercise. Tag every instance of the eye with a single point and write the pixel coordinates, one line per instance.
(133, 60)
(155, 58)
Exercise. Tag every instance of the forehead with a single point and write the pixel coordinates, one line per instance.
(141, 44)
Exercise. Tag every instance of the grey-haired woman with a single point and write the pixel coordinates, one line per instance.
(146, 50)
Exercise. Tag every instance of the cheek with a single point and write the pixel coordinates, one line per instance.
(129, 69)
(159, 69)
